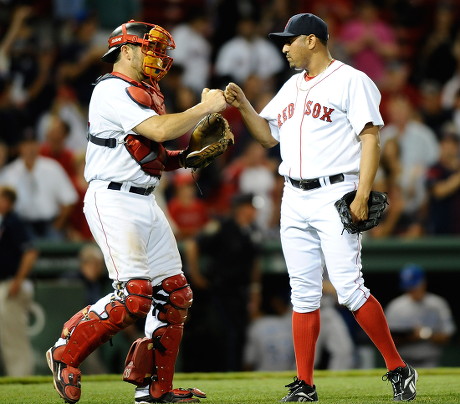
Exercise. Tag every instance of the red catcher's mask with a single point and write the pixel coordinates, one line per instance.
(154, 40)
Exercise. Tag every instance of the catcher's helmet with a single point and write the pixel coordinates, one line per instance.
(154, 41)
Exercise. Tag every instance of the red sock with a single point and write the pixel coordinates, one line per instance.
(305, 331)
(371, 318)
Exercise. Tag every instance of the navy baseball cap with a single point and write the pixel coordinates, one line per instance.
(411, 276)
(302, 24)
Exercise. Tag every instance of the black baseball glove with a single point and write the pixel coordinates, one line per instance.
(377, 203)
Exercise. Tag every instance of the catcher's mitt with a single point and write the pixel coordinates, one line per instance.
(377, 203)
(209, 139)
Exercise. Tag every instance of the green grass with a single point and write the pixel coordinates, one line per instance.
(435, 386)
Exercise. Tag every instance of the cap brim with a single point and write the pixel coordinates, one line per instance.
(281, 37)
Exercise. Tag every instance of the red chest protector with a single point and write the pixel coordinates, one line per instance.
(150, 155)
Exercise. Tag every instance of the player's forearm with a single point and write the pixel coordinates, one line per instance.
(370, 157)
(257, 126)
(161, 128)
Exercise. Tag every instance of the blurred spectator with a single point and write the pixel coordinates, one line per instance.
(178, 98)
(27, 60)
(418, 149)
(188, 212)
(269, 345)
(231, 278)
(420, 322)
(4, 155)
(451, 88)
(455, 117)
(369, 41)
(193, 50)
(396, 81)
(111, 16)
(430, 108)
(66, 106)
(54, 146)
(254, 158)
(435, 58)
(248, 53)
(93, 272)
(78, 229)
(388, 180)
(443, 183)
(45, 192)
(258, 177)
(69, 10)
(80, 59)
(11, 117)
(334, 338)
(225, 16)
(17, 257)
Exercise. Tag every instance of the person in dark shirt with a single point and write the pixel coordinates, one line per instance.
(17, 257)
(223, 264)
(443, 183)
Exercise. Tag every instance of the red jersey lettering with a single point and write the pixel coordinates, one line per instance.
(327, 114)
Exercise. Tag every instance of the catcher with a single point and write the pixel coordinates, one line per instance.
(124, 162)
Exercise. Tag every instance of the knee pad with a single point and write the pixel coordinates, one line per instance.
(139, 299)
(173, 297)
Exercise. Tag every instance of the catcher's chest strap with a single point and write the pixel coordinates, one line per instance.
(314, 183)
(110, 142)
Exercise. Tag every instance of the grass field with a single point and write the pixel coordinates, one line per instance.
(435, 386)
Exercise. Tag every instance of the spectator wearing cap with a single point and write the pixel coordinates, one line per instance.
(421, 322)
(45, 193)
(224, 270)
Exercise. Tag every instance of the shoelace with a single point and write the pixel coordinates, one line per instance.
(294, 385)
(395, 379)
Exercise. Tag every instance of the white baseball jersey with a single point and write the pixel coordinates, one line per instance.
(131, 230)
(113, 114)
(317, 122)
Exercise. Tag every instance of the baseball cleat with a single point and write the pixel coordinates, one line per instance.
(142, 396)
(403, 380)
(299, 391)
(66, 378)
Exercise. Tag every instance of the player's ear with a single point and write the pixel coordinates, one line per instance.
(311, 41)
(126, 50)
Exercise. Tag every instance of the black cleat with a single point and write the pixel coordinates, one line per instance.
(404, 382)
(299, 391)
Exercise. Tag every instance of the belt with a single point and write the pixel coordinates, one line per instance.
(314, 183)
(116, 186)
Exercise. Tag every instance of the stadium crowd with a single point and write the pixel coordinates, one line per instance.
(50, 56)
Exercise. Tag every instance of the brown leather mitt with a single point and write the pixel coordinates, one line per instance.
(209, 139)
